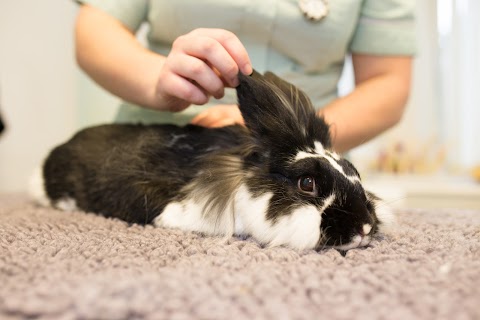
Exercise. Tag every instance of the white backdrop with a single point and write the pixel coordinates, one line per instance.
(38, 84)
(459, 50)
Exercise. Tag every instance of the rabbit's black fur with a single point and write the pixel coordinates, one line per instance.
(276, 180)
(131, 172)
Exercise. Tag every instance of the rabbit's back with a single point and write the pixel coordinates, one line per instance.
(130, 171)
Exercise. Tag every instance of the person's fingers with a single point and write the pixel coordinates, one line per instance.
(197, 120)
(192, 68)
(221, 48)
(233, 45)
(217, 116)
(208, 120)
(173, 85)
(201, 64)
(212, 53)
(222, 123)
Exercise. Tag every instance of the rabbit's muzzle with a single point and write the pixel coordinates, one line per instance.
(348, 224)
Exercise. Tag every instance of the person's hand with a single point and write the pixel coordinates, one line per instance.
(200, 65)
(219, 116)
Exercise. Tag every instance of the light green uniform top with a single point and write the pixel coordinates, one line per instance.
(277, 37)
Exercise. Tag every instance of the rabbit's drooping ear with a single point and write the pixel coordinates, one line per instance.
(279, 114)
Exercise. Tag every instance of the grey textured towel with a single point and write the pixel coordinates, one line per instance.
(58, 265)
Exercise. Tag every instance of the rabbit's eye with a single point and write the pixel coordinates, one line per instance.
(307, 184)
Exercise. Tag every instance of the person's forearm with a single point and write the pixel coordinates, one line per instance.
(111, 55)
(374, 106)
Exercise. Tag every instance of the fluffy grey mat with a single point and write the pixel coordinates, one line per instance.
(57, 265)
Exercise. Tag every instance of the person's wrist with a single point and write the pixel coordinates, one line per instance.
(161, 100)
(155, 97)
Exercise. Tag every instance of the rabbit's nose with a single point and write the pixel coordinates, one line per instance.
(366, 228)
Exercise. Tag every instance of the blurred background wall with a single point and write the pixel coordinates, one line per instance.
(38, 85)
(44, 99)
(432, 157)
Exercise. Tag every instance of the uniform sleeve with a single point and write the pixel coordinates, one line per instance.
(385, 27)
(130, 12)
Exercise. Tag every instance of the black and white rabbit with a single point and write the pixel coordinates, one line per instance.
(276, 180)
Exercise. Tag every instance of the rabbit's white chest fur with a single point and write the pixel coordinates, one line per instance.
(188, 215)
(247, 215)
(300, 229)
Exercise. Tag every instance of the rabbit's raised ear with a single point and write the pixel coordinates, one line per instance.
(298, 99)
(279, 114)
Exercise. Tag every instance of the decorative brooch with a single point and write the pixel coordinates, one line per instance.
(314, 10)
